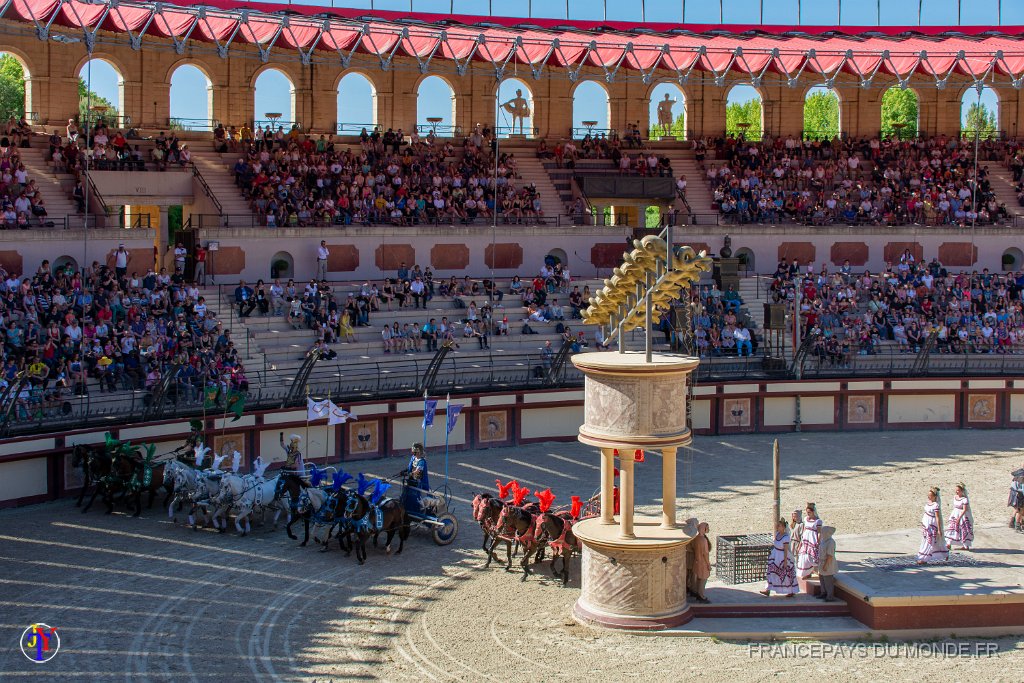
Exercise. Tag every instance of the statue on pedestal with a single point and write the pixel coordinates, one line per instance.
(665, 114)
(519, 108)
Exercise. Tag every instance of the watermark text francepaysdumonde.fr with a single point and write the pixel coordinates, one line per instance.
(937, 650)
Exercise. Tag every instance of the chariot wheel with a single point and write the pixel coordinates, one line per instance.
(445, 534)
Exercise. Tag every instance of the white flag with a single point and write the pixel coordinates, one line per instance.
(339, 415)
(317, 410)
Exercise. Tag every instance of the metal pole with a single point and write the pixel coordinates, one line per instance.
(776, 466)
(648, 310)
(977, 141)
(494, 192)
(88, 111)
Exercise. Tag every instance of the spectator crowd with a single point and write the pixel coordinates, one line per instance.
(292, 179)
(108, 329)
(863, 181)
(909, 305)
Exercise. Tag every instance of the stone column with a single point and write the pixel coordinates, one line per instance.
(607, 486)
(668, 488)
(626, 496)
(163, 231)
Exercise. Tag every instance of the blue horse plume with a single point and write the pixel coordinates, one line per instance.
(362, 483)
(315, 476)
(340, 477)
(379, 489)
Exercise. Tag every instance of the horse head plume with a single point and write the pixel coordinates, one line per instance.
(315, 475)
(201, 450)
(379, 489)
(577, 506)
(519, 495)
(340, 477)
(546, 498)
(260, 467)
(362, 483)
(503, 489)
(236, 461)
(217, 460)
(150, 452)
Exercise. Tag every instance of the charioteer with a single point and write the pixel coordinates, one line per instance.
(187, 452)
(417, 475)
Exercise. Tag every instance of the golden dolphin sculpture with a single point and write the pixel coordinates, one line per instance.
(621, 288)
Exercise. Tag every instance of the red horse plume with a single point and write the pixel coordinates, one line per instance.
(519, 494)
(577, 506)
(546, 498)
(504, 488)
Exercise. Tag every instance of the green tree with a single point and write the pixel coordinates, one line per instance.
(87, 99)
(899, 106)
(748, 112)
(821, 115)
(979, 119)
(12, 87)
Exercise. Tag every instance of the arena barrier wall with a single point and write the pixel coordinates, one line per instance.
(38, 468)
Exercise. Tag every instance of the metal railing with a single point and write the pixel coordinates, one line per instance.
(578, 133)
(179, 123)
(507, 131)
(274, 126)
(349, 380)
(252, 220)
(355, 129)
(442, 130)
(206, 188)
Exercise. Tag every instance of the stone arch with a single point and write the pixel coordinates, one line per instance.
(740, 111)
(655, 96)
(990, 102)
(287, 118)
(746, 259)
(361, 116)
(203, 123)
(1013, 259)
(27, 72)
(64, 261)
(558, 255)
(282, 257)
(826, 128)
(505, 91)
(585, 90)
(426, 108)
(82, 71)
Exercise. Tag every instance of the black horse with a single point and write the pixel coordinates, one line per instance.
(94, 463)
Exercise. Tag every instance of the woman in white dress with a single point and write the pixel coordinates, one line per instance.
(807, 556)
(780, 575)
(960, 527)
(933, 544)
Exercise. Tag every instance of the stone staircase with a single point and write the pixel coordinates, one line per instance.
(753, 290)
(532, 171)
(698, 194)
(215, 168)
(1002, 186)
(54, 187)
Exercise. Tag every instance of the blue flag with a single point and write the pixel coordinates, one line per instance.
(453, 415)
(429, 408)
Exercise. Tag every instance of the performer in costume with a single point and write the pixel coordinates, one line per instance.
(195, 437)
(807, 555)
(960, 527)
(827, 565)
(796, 532)
(933, 544)
(781, 574)
(417, 474)
(293, 462)
(701, 569)
(1016, 500)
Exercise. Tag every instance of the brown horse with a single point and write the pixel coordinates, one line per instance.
(119, 480)
(362, 520)
(516, 525)
(555, 531)
(486, 510)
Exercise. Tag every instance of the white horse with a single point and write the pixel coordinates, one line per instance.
(171, 471)
(247, 494)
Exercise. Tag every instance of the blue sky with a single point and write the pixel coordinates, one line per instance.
(189, 85)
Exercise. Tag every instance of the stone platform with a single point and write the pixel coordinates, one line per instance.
(881, 592)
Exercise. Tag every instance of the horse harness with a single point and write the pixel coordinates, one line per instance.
(364, 524)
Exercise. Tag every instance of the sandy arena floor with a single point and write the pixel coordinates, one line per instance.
(143, 599)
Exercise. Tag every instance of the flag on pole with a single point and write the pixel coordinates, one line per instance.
(338, 415)
(453, 415)
(236, 403)
(317, 410)
(429, 408)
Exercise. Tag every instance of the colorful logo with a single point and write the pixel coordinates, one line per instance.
(40, 643)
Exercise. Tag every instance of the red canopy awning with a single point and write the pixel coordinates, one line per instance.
(975, 52)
